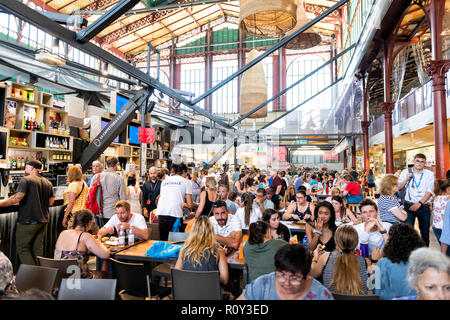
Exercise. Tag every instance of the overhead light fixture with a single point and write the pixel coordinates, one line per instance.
(55, 46)
(138, 87)
(105, 68)
(105, 84)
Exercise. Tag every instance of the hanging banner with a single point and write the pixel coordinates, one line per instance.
(329, 155)
(279, 153)
(146, 135)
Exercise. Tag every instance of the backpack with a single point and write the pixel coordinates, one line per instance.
(91, 199)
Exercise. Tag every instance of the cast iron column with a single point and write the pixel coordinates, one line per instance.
(365, 127)
(388, 107)
(437, 69)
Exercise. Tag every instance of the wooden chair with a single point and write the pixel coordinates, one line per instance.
(63, 266)
(185, 285)
(353, 208)
(337, 296)
(42, 278)
(87, 289)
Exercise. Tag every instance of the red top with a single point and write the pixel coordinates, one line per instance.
(275, 183)
(353, 189)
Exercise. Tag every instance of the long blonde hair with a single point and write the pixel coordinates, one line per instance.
(346, 277)
(201, 243)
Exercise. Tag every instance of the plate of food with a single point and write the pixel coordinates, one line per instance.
(112, 241)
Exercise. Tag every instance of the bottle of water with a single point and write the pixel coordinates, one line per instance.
(305, 243)
(121, 237)
(130, 237)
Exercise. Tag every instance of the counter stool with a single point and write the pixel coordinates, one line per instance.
(353, 208)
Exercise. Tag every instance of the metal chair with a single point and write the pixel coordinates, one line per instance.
(63, 266)
(87, 289)
(133, 279)
(337, 296)
(42, 278)
(163, 270)
(185, 285)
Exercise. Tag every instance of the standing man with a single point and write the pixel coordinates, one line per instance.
(97, 167)
(151, 191)
(113, 188)
(171, 202)
(34, 196)
(236, 175)
(418, 195)
(354, 174)
(277, 184)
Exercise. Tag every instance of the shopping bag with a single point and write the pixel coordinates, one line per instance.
(164, 250)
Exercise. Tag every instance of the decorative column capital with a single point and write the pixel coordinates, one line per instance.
(438, 67)
(365, 125)
(387, 108)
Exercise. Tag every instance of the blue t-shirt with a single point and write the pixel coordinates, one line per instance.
(231, 206)
(391, 280)
(263, 288)
(298, 183)
(313, 182)
(445, 235)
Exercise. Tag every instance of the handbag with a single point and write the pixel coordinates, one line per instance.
(63, 210)
(402, 193)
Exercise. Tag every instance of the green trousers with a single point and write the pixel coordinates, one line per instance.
(30, 241)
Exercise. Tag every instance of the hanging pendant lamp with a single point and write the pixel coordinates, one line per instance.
(253, 88)
(267, 18)
(308, 38)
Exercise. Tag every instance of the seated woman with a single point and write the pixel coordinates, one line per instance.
(248, 214)
(389, 209)
(201, 252)
(392, 269)
(290, 281)
(352, 191)
(321, 230)
(429, 275)
(335, 191)
(8, 288)
(78, 242)
(289, 196)
(277, 229)
(259, 251)
(343, 214)
(207, 198)
(341, 271)
(300, 209)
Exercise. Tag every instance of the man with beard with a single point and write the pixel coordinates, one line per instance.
(126, 220)
(34, 196)
(227, 227)
(151, 191)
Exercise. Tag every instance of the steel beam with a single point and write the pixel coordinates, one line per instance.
(271, 50)
(105, 20)
(113, 128)
(293, 109)
(292, 86)
(37, 19)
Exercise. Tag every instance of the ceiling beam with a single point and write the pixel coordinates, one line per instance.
(192, 16)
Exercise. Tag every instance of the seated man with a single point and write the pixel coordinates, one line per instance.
(227, 227)
(223, 195)
(372, 233)
(124, 218)
(275, 199)
(261, 202)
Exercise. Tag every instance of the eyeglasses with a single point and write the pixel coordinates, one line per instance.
(282, 277)
(420, 161)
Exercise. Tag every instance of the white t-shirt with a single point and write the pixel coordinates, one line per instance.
(373, 239)
(233, 224)
(418, 186)
(255, 214)
(171, 200)
(136, 220)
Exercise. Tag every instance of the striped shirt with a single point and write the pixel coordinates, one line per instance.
(75, 187)
(385, 205)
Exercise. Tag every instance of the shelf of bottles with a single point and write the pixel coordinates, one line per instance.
(18, 159)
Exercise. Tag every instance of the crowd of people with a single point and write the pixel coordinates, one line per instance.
(359, 239)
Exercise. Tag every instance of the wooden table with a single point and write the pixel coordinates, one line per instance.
(295, 228)
(137, 253)
(114, 250)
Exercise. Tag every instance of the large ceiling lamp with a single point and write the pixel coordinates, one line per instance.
(267, 18)
(308, 38)
(253, 88)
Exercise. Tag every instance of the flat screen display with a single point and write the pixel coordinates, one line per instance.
(120, 102)
(103, 125)
(133, 134)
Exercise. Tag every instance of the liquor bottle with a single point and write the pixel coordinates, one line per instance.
(27, 124)
(47, 143)
(26, 161)
(24, 122)
(14, 164)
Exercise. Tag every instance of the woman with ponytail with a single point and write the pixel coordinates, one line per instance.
(248, 214)
(341, 271)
